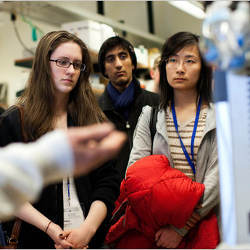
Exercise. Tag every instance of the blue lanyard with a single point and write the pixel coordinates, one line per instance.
(190, 162)
(68, 186)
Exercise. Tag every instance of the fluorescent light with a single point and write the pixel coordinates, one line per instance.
(189, 7)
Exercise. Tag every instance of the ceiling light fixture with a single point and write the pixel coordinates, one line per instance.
(189, 7)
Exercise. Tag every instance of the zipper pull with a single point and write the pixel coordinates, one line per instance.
(127, 125)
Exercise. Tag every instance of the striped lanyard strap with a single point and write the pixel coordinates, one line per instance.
(190, 162)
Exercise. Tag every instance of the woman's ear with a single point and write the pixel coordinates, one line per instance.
(152, 73)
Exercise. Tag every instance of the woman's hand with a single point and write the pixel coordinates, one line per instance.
(167, 237)
(79, 237)
(54, 231)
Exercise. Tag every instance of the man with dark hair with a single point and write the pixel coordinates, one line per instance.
(123, 98)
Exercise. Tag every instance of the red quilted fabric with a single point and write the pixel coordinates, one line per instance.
(155, 195)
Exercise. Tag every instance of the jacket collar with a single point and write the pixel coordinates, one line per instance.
(210, 121)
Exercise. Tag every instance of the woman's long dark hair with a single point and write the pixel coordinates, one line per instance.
(174, 44)
(38, 99)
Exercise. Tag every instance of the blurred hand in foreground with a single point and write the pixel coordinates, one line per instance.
(94, 145)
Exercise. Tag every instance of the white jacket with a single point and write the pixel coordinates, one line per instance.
(26, 168)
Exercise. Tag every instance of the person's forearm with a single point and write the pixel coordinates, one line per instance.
(32, 216)
(96, 215)
(211, 196)
(191, 222)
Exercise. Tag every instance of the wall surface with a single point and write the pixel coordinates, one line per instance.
(133, 13)
(11, 49)
(169, 20)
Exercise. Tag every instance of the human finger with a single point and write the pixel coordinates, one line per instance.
(86, 159)
(157, 235)
(93, 132)
(113, 141)
(64, 234)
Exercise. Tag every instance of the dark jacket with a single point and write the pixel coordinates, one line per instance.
(141, 98)
(101, 184)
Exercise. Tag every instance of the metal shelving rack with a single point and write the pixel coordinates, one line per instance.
(70, 11)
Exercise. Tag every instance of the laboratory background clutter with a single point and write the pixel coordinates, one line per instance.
(224, 27)
(146, 24)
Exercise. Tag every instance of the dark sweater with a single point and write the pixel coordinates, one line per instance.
(141, 98)
(101, 184)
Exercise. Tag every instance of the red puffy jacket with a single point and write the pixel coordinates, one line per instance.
(154, 195)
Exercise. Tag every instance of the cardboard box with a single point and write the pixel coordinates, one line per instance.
(89, 31)
(106, 32)
(142, 55)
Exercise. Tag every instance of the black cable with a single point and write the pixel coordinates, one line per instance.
(100, 7)
(151, 27)
(13, 19)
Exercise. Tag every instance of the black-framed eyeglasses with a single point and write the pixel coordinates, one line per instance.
(63, 63)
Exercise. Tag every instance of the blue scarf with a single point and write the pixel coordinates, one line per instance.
(122, 101)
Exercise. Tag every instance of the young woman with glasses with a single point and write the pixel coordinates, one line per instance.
(72, 214)
(185, 128)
